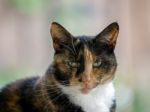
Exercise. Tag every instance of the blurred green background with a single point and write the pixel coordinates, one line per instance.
(26, 47)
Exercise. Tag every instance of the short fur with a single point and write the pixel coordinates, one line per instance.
(78, 80)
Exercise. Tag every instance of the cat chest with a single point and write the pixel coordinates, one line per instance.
(94, 103)
(98, 100)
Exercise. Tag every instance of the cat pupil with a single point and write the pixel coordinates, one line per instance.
(76, 64)
(97, 63)
(73, 64)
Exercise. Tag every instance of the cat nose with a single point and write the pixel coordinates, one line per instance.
(86, 79)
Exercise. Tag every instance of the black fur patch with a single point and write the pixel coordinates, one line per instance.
(63, 101)
(113, 107)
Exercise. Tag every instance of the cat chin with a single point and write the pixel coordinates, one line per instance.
(80, 90)
(91, 88)
(101, 96)
(85, 90)
(77, 89)
(88, 89)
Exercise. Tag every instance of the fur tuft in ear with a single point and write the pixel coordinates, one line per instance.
(59, 35)
(109, 35)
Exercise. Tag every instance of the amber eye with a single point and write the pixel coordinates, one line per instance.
(73, 64)
(97, 63)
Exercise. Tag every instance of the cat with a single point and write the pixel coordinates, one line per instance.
(78, 80)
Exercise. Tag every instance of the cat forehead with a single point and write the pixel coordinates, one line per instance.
(84, 39)
(83, 42)
(88, 43)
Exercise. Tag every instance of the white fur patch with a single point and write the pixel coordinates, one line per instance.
(99, 99)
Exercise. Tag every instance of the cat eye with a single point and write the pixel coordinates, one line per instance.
(73, 64)
(97, 63)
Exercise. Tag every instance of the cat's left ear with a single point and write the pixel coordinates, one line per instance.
(109, 35)
(59, 35)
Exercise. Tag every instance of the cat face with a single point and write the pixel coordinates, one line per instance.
(84, 62)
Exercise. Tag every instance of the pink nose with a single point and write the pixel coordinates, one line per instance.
(86, 79)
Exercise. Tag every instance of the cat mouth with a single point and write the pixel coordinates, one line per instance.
(85, 89)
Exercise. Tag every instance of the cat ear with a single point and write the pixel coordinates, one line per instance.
(59, 35)
(109, 35)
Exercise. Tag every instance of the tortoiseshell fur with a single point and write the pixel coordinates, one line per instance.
(42, 94)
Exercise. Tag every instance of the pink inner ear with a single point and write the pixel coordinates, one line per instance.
(59, 32)
(109, 35)
(113, 37)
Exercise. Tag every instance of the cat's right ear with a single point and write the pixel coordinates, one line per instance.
(109, 35)
(59, 35)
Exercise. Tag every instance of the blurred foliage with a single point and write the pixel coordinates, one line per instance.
(28, 6)
(11, 75)
(138, 104)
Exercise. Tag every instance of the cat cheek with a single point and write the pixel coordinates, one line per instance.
(106, 78)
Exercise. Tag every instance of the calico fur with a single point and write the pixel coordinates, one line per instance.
(78, 80)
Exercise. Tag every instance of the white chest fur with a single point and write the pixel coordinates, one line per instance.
(99, 99)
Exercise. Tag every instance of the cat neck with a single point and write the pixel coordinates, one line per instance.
(99, 99)
(52, 97)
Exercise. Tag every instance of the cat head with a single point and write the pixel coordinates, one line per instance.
(84, 61)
